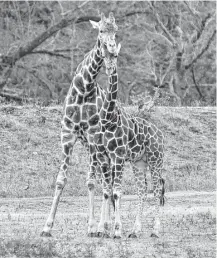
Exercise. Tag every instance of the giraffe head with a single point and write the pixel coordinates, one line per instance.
(107, 30)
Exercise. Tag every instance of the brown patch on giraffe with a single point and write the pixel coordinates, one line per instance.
(87, 76)
(112, 128)
(130, 124)
(84, 125)
(108, 115)
(73, 92)
(112, 145)
(79, 83)
(124, 121)
(111, 106)
(136, 128)
(91, 70)
(112, 156)
(93, 130)
(72, 112)
(94, 120)
(94, 65)
(140, 139)
(91, 110)
(156, 153)
(125, 139)
(130, 135)
(90, 96)
(120, 142)
(97, 57)
(109, 135)
(153, 147)
(114, 94)
(151, 131)
(119, 132)
(132, 143)
(90, 88)
(68, 123)
(136, 149)
(99, 103)
(145, 130)
(120, 151)
(79, 99)
(101, 148)
(87, 58)
(98, 138)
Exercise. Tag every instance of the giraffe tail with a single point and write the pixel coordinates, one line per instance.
(162, 197)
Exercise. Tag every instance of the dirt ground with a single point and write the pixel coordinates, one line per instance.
(188, 228)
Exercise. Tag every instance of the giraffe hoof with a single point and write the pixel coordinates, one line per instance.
(132, 235)
(99, 234)
(92, 234)
(106, 235)
(45, 234)
(154, 235)
(117, 237)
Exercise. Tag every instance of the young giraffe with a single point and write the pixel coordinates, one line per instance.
(122, 138)
(81, 115)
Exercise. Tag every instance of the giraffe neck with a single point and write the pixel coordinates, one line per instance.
(110, 100)
(89, 68)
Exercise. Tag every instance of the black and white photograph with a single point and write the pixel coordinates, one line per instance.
(107, 129)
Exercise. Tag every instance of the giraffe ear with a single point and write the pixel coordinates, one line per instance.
(95, 24)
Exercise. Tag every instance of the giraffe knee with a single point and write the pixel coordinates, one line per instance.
(91, 184)
(61, 182)
(106, 196)
(116, 195)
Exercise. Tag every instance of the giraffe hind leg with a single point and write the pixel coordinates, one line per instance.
(141, 183)
(159, 199)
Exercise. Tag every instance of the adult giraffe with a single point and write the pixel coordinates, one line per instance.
(123, 138)
(81, 115)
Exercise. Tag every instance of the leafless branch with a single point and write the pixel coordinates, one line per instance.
(195, 83)
(193, 13)
(203, 50)
(164, 29)
(50, 53)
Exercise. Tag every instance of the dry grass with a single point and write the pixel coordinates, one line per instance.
(188, 229)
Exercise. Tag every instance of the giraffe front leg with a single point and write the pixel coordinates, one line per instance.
(105, 221)
(141, 182)
(117, 173)
(91, 181)
(68, 142)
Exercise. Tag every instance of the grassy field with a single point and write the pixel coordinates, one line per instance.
(188, 229)
(29, 163)
(30, 151)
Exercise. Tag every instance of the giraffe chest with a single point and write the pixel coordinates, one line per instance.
(82, 111)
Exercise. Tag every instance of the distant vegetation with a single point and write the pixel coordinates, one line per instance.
(171, 45)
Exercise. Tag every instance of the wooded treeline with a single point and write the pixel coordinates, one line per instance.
(171, 45)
